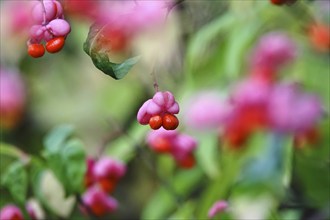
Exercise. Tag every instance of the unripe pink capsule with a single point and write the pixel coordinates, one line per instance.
(59, 27)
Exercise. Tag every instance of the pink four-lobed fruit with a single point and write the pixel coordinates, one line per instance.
(49, 27)
(11, 212)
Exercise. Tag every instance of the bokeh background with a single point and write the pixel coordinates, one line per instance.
(201, 47)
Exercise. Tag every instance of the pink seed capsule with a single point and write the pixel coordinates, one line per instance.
(59, 9)
(36, 31)
(59, 27)
(11, 212)
(38, 11)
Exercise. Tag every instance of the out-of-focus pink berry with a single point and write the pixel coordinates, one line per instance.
(133, 16)
(89, 176)
(291, 110)
(98, 201)
(12, 98)
(34, 210)
(207, 110)
(251, 91)
(107, 171)
(161, 140)
(183, 145)
(180, 146)
(273, 51)
(11, 212)
(250, 101)
(217, 207)
(161, 104)
(17, 16)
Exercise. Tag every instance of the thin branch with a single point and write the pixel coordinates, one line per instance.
(154, 78)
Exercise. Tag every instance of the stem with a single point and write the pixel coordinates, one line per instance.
(153, 74)
(171, 6)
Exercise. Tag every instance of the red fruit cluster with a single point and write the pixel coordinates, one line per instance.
(49, 27)
(13, 212)
(101, 179)
(52, 46)
(180, 146)
(319, 35)
(282, 2)
(168, 121)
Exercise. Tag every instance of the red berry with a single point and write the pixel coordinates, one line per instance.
(319, 35)
(155, 122)
(170, 122)
(188, 162)
(281, 2)
(55, 44)
(36, 50)
(108, 184)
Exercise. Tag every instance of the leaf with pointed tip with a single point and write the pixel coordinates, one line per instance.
(100, 58)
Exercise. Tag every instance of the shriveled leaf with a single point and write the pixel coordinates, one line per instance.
(100, 58)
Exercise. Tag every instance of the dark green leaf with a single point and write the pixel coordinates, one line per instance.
(54, 162)
(100, 57)
(74, 164)
(116, 71)
(15, 179)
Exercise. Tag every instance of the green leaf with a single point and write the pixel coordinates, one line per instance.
(16, 180)
(57, 137)
(9, 150)
(207, 153)
(203, 38)
(54, 162)
(163, 202)
(74, 164)
(100, 58)
(185, 212)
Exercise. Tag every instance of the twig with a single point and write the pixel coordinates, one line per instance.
(153, 74)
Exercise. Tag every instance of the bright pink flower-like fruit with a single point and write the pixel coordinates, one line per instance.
(207, 110)
(183, 149)
(107, 172)
(11, 212)
(273, 50)
(180, 146)
(50, 26)
(98, 201)
(160, 112)
(291, 110)
(217, 207)
(12, 98)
